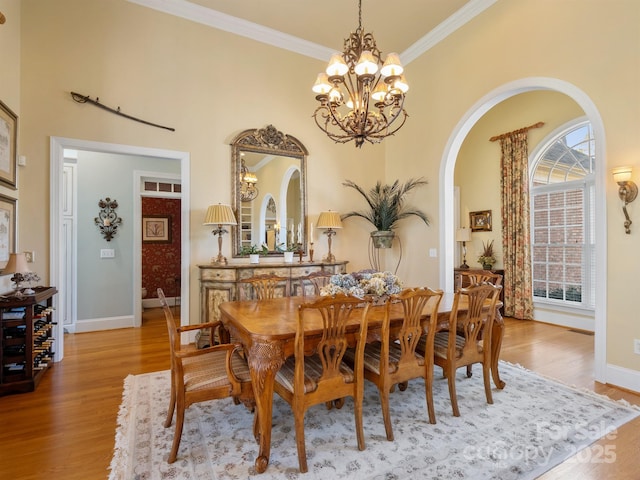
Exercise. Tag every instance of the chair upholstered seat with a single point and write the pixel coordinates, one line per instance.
(373, 351)
(208, 371)
(312, 373)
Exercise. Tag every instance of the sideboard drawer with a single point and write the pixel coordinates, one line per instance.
(218, 274)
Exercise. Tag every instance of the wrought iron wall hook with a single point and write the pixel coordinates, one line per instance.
(107, 219)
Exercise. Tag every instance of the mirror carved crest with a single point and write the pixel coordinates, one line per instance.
(269, 191)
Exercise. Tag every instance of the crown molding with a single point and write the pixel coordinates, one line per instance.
(238, 26)
(446, 28)
(221, 21)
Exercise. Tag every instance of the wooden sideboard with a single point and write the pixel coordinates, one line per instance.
(221, 283)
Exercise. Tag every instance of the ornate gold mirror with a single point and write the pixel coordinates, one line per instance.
(269, 191)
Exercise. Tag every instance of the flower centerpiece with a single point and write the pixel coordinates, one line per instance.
(363, 283)
(487, 259)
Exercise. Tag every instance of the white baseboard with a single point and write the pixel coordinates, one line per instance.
(109, 323)
(623, 377)
(565, 319)
(155, 302)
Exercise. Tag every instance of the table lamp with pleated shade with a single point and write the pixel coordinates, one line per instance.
(219, 215)
(330, 221)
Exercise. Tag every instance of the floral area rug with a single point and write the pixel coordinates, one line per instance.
(534, 424)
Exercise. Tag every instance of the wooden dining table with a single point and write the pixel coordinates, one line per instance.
(267, 328)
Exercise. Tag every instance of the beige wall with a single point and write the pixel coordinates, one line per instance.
(210, 85)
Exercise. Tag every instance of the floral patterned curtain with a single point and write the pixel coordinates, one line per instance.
(514, 186)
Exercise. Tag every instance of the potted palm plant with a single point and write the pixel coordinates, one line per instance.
(386, 207)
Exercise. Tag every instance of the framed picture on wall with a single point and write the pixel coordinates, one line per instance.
(156, 229)
(480, 221)
(8, 146)
(7, 229)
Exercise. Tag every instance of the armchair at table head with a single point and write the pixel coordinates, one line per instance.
(198, 375)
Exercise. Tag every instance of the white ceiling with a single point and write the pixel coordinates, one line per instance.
(318, 28)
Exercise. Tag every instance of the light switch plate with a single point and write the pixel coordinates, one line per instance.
(107, 253)
(433, 252)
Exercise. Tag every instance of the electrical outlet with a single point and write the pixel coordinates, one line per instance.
(107, 253)
(636, 346)
(30, 256)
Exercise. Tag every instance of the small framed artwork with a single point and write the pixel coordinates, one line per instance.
(7, 229)
(156, 229)
(8, 145)
(480, 221)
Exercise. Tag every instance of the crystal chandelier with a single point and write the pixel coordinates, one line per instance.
(248, 181)
(360, 96)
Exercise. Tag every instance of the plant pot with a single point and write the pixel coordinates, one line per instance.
(487, 266)
(288, 257)
(382, 238)
(254, 258)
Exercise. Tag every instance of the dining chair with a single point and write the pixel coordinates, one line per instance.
(474, 277)
(312, 284)
(311, 378)
(198, 375)
(468, 338)
(263, 287)
(393, 360)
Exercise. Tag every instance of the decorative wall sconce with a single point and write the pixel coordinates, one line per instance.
(107, 219)
(627, 192)
(248, 181)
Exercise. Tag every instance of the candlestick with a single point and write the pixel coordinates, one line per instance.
(311, 251)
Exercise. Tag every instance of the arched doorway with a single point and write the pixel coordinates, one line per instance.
(446, 193)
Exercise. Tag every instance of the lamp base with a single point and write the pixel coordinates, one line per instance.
(464, 266)
(329, 258)
(219, 260)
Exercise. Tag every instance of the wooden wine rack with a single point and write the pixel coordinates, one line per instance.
(27, 345)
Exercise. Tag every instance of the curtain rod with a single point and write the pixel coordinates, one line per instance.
(498, 137)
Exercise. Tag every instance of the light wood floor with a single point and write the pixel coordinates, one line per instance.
(65, 429)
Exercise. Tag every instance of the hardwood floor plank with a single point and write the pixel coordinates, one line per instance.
(65, 429)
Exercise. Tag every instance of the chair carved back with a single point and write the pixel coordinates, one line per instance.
(264, 287)
(312, 283)
(477, 277)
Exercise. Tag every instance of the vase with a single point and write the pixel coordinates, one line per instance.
(288, 257)
(382, 238)
(254, 258)
(487, 266)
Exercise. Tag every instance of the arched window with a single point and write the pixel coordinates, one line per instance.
(563, 226)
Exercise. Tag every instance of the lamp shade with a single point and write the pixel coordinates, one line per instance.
(622, 174)
(463, 235)
(17, 264)
(220, 215)
(329, 220)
